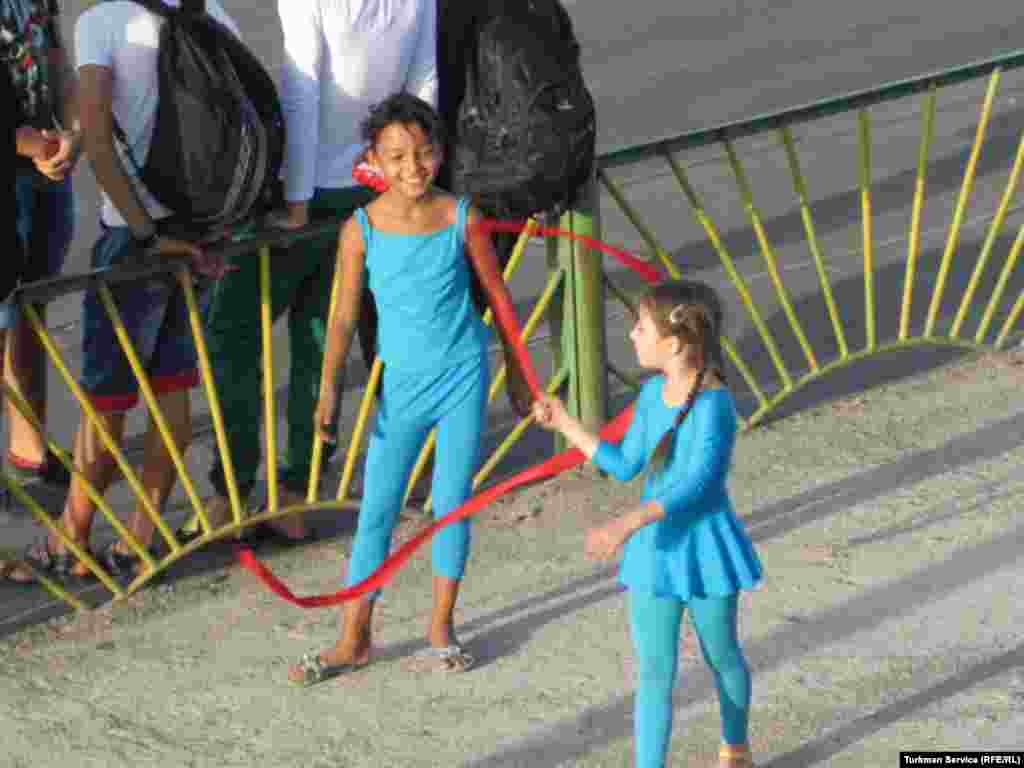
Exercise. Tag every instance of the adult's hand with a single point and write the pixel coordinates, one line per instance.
(325, 417)
(58, 165)
(204, 262)
(293, 216)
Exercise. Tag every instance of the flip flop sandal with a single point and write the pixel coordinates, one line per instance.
(450, 658)
(123, 566)
(39, 557)
(8, 568)
(316, 670)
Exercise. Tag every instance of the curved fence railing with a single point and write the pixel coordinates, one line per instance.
(978, 318)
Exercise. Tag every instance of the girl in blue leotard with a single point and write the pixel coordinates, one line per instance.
(415, 246)
(683, 546)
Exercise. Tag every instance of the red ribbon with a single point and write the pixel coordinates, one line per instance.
(385, 572)
(613, 431)
(638, 265)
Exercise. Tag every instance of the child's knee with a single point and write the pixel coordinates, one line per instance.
(655, 668)
(725, 660)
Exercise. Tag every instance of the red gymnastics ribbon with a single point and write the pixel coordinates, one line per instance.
(638, 265)
(558, 463)
(506, 318)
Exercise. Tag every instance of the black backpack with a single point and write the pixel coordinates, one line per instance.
(218, 138)
(526, 127)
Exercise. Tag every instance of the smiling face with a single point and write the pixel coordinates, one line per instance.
(406, 158)
(653, 348)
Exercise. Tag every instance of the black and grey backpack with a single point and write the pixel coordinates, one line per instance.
(218, 139)
(526, 125)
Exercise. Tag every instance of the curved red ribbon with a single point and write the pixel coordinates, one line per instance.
(505, 316)
(385, 572)
(638, 265)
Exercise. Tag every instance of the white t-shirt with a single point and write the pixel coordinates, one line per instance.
(341, 57)
(124, 37)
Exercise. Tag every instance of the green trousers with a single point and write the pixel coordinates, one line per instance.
(300, 283)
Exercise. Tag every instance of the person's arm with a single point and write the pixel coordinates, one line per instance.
(350, 265)
(300, 101)
(623, 460)
(63, 83)
(96, 97)
(32, 143)
(480, 250)
(422, 78)
(96, 88)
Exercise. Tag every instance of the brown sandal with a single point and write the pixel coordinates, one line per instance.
(39, 558)
(735, 756)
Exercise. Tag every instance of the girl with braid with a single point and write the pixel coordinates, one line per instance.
(683, 548)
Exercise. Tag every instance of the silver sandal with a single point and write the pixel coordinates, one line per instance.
(316, 670)
(450, 658)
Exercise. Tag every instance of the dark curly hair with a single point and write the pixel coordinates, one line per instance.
(405, 109)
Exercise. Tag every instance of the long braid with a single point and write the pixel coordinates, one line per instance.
(692, 312)
(660, 456)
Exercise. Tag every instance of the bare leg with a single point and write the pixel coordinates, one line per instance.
(158, 471)
(25, 370)
(97, 466)
(354, 644)
(441, 632)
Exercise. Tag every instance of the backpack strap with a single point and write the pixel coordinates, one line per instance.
(159, 8)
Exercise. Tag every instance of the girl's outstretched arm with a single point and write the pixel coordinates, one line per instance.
(349, 270)
(622, 460)
(550, 413)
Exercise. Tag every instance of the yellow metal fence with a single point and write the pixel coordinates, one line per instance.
(996, 313)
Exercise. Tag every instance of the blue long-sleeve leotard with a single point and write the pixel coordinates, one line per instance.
(699, 548)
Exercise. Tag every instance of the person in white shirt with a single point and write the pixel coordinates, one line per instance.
(340, 57)
(116, 45)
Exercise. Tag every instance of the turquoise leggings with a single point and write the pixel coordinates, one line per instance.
(654, 624)
(455, 401)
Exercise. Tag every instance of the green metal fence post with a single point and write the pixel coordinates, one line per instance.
(590, 372)
(562, 323)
